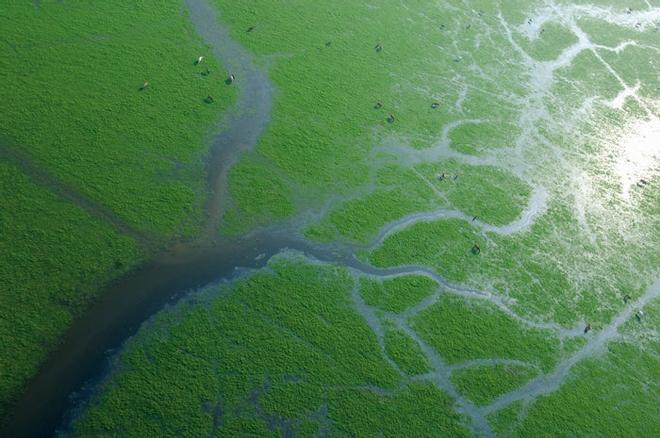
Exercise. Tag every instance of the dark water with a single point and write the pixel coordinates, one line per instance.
(123, 305)
(120, 309)
(248, 117)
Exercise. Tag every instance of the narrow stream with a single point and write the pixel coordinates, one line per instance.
(124, 304)
(244, 122)
(127, 302)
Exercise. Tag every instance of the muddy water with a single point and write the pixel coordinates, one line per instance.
(122, 307)
(247, 118)
(127, 302)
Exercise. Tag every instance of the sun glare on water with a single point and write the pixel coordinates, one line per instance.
(638, 155)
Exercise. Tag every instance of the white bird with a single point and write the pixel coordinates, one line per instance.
(199, 60)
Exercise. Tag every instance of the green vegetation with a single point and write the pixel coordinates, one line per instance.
(643, 333)
(256, 183)
(398, 293)
(504, 420)
(519, 265)
(585, 77)
(494, 195)
(280, 350)
(73, 100)
(404, 351)
(420, 409)
(398, 192)
(615, 395)
(625, 62)
(618, 7)
(71, 75)
(443, 245)
(543, 285)
(483, 384)
(359, 220)
(477, 138)
(514, 11)
(640, 74)
(552, 40)
(441, 111)
(330, 78)
(53, 257)
(571, 345)
(461, 330)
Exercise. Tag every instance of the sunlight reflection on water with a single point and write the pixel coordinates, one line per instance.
(638, 154)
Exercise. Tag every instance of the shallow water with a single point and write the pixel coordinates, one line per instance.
(245, 120)
(120, 309)
(124, 304)
(127, 302)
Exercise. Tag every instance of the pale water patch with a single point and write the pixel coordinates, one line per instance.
(638, 154)
(620, 99)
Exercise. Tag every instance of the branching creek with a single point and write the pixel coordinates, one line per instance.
(124, 304)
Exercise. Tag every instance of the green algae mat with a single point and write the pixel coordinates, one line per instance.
(477, 181)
